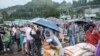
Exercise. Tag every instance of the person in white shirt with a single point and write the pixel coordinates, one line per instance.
(13, 34)
(30, 40)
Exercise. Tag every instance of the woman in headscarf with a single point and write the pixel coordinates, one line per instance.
(51, 44)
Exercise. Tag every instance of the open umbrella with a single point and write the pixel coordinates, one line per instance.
(81, 22)
(45, 23)
(78, 21)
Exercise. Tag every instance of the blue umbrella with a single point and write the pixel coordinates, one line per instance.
(45, 23)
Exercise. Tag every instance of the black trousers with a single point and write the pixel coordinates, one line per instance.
(39, 47)
(18, 43)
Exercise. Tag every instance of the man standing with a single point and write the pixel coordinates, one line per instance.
(13, 33)
(30, 41)
(18, 38)
(38, 41)
(71, 31)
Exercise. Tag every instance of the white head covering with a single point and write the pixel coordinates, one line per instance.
(48, 38)
(54, 38)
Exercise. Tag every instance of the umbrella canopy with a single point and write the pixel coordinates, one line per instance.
(45, 23)
(81, 22)
(78, 21)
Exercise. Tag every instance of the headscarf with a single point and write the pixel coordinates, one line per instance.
(52, 37)
(48, 38)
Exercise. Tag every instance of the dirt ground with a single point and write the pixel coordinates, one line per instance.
(15, 53)
(12, 54)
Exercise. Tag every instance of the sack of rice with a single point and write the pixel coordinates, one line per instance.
(81, 49)
(88, 54)
(71, 50)
(79, 53)
(86, 46)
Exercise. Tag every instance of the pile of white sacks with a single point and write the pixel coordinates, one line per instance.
(81, 49)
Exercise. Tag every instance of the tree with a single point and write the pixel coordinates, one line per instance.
(94, 2)
(98, 15)
(4, 15)
(64, 8)
(37, 8)
(79, 3)
(79, 11)
(41, 8)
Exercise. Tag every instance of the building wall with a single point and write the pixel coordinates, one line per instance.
(92, 10)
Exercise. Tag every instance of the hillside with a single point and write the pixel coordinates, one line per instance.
(9, 10)
(29, 4)
(36, 8)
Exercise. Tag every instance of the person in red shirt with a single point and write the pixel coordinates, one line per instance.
(92, 35)
(96, 34)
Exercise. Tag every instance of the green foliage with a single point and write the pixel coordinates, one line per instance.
(41, 8)
(85, 3)
(79, 3)
(5, 15)
(37, 8)
(94, 2)
(45, 8)
(98, 15)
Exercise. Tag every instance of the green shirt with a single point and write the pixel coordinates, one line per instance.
(6, 36)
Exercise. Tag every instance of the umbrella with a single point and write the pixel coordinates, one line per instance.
(81, 22)
(45, 23)
(78, 21)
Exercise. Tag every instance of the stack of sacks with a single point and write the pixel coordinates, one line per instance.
(81, 49)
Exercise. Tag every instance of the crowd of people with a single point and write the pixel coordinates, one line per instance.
(35, 40)
(89, 47)
(30, 40)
